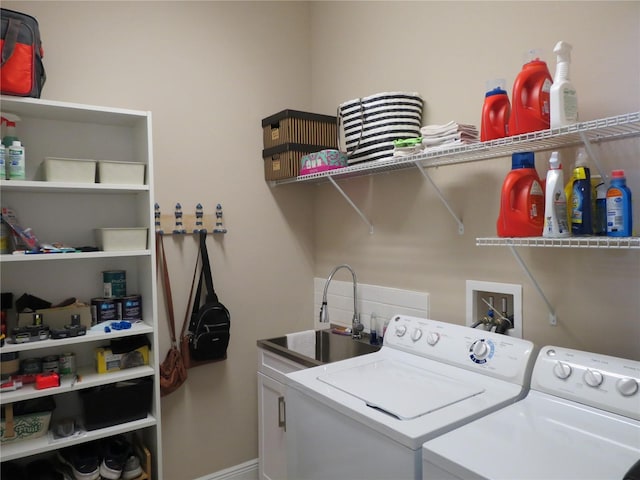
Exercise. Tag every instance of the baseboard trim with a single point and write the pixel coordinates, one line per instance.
(243, 471)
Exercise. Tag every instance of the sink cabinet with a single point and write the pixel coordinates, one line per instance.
(272, 445)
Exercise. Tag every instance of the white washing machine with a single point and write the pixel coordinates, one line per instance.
(367, 417)
(580, 420)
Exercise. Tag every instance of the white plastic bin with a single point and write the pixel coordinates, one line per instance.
(120, 173)
(117, 239)
(69, 170)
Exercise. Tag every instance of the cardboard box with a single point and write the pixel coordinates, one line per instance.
(59, 317)
(107, 361)
(284, 161)
(293, 126)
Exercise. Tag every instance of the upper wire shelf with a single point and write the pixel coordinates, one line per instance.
(594, 131)
(569, 242)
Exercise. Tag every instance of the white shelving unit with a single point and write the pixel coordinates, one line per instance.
(69, 213)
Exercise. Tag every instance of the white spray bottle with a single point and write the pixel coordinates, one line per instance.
(562, 96)
(555, 202)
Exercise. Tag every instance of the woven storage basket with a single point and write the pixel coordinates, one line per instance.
(368, 126)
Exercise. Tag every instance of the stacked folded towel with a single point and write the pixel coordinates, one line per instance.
(448, 135)
(407, 147)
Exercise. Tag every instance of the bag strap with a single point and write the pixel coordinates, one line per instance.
(167, 285)
(196, 303)
(11, 38)
(206, 269)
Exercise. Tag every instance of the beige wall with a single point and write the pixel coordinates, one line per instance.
(209, 71)
(446, 51)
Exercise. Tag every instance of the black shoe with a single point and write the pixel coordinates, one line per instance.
(84, 460)
(115, 453)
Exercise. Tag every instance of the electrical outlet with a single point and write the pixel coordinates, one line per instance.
(479, 292)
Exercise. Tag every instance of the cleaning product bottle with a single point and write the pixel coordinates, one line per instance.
(619, 210)
(495, 111)
(581, 196)
(555, 203)
(522, 199)
(563, 97)
(599, 200)
(3, 165)
(530, 97)
(15, 161)
(10, 120)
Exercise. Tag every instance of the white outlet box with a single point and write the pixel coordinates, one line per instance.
(476, 308)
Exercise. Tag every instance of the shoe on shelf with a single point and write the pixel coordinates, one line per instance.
(132, 468)
(84, 460)
(116, 451)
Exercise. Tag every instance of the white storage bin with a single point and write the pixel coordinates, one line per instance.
(71, 170)
(121, 173)
(116, 239)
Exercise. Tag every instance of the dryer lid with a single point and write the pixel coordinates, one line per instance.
(404, 391)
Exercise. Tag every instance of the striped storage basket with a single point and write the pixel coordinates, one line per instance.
(368, 126)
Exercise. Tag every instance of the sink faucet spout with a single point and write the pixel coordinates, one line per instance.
(356, 326)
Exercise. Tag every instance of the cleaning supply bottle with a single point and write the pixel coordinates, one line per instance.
(599, 200)
(495, 111)
(522, 199)
(555, 203)
(563, 97)
(530, 97)
(15, 161)
(10, 120)
(619, 210)
(581, 196)
(3, 164)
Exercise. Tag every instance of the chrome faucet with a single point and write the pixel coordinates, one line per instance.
(356, 326)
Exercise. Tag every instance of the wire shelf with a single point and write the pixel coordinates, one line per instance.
(571, 242)
(594, 131)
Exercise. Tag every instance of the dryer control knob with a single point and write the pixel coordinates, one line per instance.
(480, 349)
(627, 386)
(432, 338)
(593, 378)
(416, 335)
(562, 370)
(401, 330)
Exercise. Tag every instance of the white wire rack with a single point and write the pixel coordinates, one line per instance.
(571, 242)
(593, 131)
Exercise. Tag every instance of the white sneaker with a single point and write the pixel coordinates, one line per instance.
(132, 468)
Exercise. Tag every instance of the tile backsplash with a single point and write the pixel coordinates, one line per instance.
(383, 301)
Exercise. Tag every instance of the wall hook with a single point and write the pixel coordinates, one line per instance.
(156, 216)
(199, 226)
(219, 223)
(179, 227)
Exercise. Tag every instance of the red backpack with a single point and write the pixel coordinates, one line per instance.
(21, 71)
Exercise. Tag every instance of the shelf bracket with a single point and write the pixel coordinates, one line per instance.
(441, 196)
(353, 205)
(553, 319)
(592, 155)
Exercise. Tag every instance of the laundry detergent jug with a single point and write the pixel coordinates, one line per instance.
(530, 100)
(522, 199)
(495, 111)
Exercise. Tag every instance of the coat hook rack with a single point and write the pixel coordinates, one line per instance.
(180, 223)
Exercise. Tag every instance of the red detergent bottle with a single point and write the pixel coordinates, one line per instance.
(522, 199)
(495, 111)
(530, 102)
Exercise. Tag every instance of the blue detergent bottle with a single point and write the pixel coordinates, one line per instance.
(619, 210)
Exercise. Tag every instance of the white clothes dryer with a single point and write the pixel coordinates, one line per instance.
(580, 420)
(367, 417)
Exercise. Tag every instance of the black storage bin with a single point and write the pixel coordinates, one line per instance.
(116, 403)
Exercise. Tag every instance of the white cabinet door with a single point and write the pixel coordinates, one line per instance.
(271, 429)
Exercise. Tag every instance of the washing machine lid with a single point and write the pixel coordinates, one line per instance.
(404, 391)
(542, 435)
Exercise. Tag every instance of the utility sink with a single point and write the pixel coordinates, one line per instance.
(329, 347)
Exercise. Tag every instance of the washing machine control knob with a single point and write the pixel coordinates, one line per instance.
(593, 378)
(432, 338)
(480, 349)
(562, 370)
(401, 330)
(627, 386)
(416, 335)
